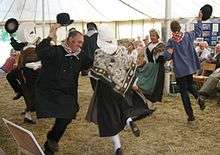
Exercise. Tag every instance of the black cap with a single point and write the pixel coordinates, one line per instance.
(11, 25)
(206, 11)
(64, 19)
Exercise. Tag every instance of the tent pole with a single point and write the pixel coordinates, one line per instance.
(116, 36)
(43, 17)
(165, 29)
(132, 25)
(143, 28)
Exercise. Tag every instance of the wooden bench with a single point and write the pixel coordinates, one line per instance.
(200, 79)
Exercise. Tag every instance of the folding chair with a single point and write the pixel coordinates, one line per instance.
(25, 139)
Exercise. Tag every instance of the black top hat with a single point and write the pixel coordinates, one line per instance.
(11, 25)
(64, 19)
(206, 11)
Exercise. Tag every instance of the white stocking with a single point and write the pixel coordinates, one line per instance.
(28, 115)
(116, 141)
(128, 122)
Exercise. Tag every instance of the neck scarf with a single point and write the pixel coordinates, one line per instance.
(69, 51)
(91, 32)
(177, 36)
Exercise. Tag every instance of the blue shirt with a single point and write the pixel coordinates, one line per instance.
(185, 59)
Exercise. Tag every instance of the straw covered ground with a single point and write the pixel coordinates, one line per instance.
(165, 132)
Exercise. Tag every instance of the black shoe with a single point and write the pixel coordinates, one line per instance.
(29, 121)
(201, 103)
(118, 151)
(135, 129)
(18, 95)
(48, 152)
(84, 72)
(191, 119)
(51, 145)
(23, 113)
(191, 122)
(151, 111)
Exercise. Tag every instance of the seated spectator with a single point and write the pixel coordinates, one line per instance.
(139, 44)
(203, 51)
(132, 52)
(210, 86)
(216, 58)
(146, 40)
(207, 47)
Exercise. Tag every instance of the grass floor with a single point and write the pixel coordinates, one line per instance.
(165, 132)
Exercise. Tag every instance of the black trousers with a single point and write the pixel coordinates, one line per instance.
(58, 129)
(28, 87)
(12, 78)
(186, 86)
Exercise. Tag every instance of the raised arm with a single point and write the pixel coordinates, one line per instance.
(16, 45)
(197, 32)
(44, 48)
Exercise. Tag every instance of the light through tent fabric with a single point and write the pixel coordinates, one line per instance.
(110, 10)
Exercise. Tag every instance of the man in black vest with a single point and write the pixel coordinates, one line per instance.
(90, 43)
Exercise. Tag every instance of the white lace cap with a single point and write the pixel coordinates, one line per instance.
(106, 40)
(26, 32)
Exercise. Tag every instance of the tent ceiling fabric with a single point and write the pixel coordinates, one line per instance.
(102, 10)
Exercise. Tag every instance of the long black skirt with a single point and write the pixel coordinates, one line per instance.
(139, 108)
(109, 110)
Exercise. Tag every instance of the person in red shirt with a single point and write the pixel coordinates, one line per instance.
(9, 63)
(10, 68)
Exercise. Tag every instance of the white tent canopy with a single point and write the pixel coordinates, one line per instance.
(102, 10)
(127, 18)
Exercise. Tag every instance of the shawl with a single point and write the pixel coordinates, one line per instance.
(155, 53)
(116, 69)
